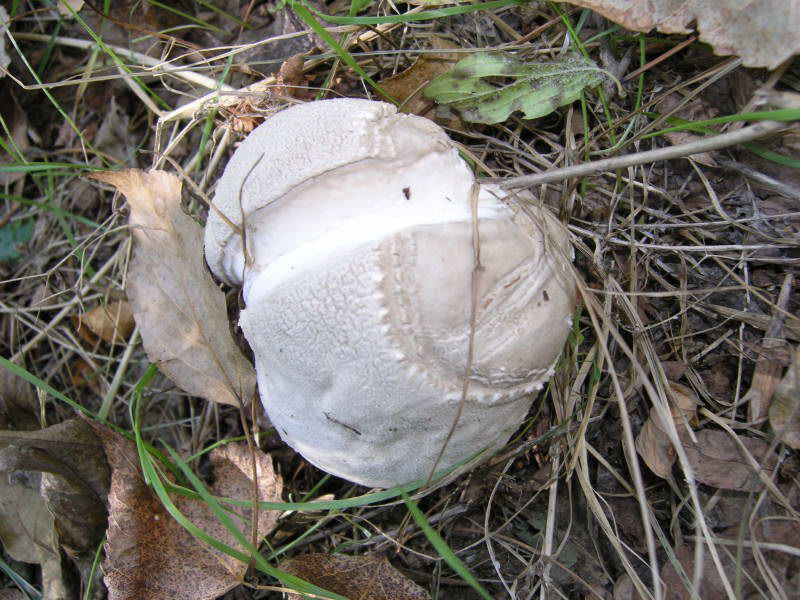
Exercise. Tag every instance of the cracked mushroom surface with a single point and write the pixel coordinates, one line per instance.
(358, 283)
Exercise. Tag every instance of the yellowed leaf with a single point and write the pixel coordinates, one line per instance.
(149, 555)
(112, 323)
(356, 577)
(406, 87)
(784, 412)
(762, 32)
(653, 443)
(180, 311)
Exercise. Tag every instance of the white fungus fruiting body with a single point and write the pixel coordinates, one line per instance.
(358, 285)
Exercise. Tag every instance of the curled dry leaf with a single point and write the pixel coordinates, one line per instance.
(149, 555)
(653, 443)
(68, 461)
(784, 413)
(180, 311)
(291, 81)
(28, 535)
(762, 32)
(355, 577)
(112, 323)
(718, 460)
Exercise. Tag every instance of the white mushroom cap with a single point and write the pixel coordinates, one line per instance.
(360, 288)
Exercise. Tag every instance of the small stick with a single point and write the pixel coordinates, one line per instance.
(716, 142)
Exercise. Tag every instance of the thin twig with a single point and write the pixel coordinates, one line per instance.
(717, 142)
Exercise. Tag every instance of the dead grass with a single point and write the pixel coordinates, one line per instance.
(680, 266)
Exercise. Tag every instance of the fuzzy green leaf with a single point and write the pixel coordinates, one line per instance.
(535, 88)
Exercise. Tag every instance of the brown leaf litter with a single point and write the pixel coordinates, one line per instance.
(53, 486)
(355, 577)
(149, 555)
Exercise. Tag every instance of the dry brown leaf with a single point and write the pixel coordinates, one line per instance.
(83, 375)
(717, 460)
(406, 87)
(72, 477)
(53, 484)
(762, 32)
(625, 590)
(773, 356)
(27, 533)
(653, 443)
(291, 81)
(744, 567)
(112, 323)
(355, 577)
(149, 555)
(18, 404)
(180, 311)
(696, 110)
(784, 412)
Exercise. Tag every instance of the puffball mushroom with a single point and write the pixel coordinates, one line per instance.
(350, 227)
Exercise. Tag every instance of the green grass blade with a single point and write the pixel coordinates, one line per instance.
(343, 54)
(35, 167)
(26, 588)
(38, 383)
(781, 159)
(224, 517)
(427, 15)
(153, 478)
(783, 114)
(443, 549)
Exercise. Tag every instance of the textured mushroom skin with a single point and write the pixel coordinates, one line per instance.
(358, 291)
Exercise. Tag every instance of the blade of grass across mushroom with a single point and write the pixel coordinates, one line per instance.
(386, 495)
(153, 478)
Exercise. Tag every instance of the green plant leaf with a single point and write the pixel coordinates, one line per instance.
(535, 88)
(12, 236)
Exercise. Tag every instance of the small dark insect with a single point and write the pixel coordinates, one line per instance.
(407, 193)
(545, 296)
